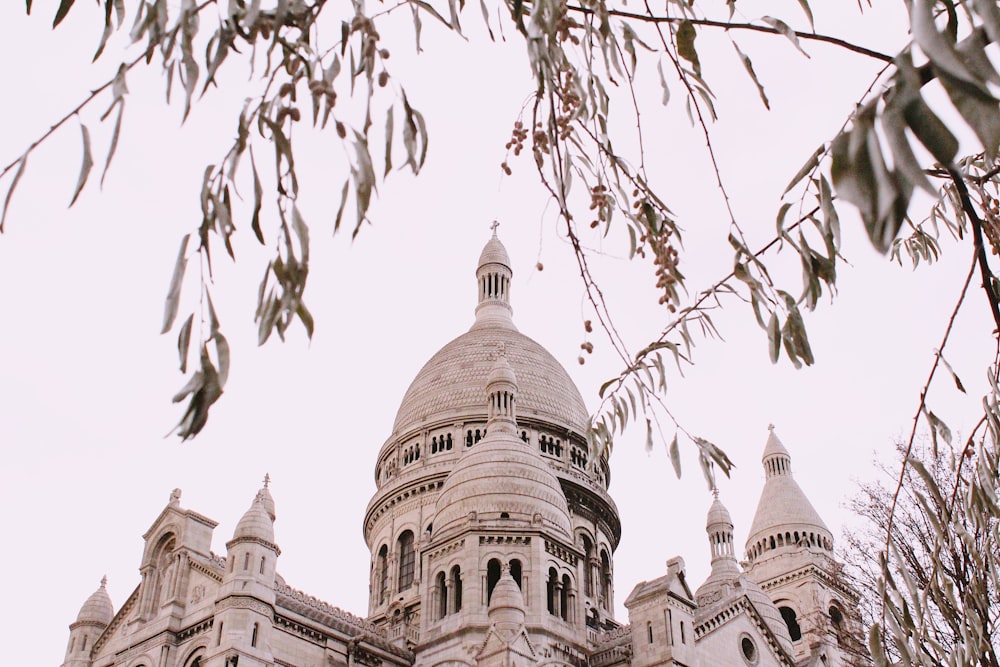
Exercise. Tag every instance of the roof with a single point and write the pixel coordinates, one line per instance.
(98, 608)
(783, 506)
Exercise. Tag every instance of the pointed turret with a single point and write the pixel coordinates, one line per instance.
(245, 601)
(94, 617)
(725, 569)
(785, 519)
(790, 556)
(506, 609)
(493, 279)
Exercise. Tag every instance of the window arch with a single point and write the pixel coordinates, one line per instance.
(791, 620)
(551, 592)
(195, 659)
(565, 598)
(515, 571)
(588, 582)
(492, 577)
(456, 588)
(605, 600)
(441, 589)
(407, 559)
(382, 573)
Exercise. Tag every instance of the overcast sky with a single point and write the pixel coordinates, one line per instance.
(86, 381)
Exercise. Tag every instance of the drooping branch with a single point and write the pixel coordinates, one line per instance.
(727, 25)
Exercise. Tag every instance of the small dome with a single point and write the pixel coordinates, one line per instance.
(98, 607)
(502, 372)
(718, 514)
(502, 481)
(256, 523)
(494, 252)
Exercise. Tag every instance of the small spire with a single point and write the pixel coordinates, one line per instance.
(104, 581)
(267, 479)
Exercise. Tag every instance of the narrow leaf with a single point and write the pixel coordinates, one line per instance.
(675, 456)
(748, 66)
(388, 141)
(10, 191)
(805, 169)
(114, 140)
(174, 293)
(64, 7)
(184, 341)
(786, 30)
(774, 337)
(85, 166)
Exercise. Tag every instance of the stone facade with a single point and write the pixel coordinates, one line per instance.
(492, 540)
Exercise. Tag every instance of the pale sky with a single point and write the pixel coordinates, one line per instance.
(86, 381)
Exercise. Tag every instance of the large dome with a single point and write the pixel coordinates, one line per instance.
(449, 387)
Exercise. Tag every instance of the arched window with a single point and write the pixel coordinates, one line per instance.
(564, 598)
(382, 573)
(492, 577)
(552, 592)
(605, 580)
(588, 582)
(456, 588)
(788, 614)
(442, 593)
(407, 560)
(515, 571)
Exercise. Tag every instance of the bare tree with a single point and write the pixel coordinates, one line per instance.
(944, 557)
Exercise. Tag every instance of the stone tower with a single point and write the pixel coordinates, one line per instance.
(468, 485)
(94, 617)
(789, 553)
(245, 601)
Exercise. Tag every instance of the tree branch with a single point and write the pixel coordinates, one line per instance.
(977, 231)
(726, 25)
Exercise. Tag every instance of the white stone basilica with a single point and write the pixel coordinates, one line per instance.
(492, 539)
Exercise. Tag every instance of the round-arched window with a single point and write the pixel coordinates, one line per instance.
(836, 616)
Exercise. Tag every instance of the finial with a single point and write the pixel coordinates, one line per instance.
(267, 479)
(770, 427)
(715, 492)
(494, 226)
(104, 581)
(175, 496)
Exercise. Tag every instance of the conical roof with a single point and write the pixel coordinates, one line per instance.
(257, 522)
(507, 602)
(98, 608)
(783, 507)
(494, 252)
(449, 388)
